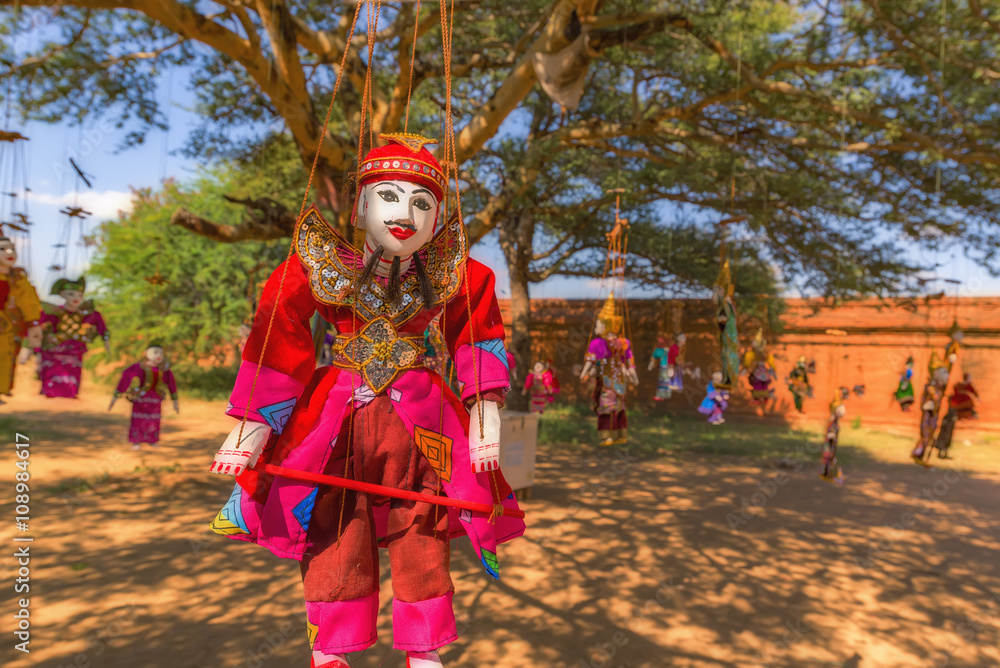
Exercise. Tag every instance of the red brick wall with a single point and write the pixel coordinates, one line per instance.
(880, 336)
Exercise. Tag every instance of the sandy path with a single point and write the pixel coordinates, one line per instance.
(650, 561)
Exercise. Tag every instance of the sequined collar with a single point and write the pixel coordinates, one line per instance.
(333, 263)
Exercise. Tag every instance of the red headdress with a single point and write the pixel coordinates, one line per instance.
(404, 158)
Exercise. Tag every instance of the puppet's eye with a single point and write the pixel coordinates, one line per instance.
(388, 195)
(422, 204)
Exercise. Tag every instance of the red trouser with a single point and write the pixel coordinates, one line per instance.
(345, 571)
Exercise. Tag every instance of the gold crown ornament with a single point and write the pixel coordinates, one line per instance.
(608, 315)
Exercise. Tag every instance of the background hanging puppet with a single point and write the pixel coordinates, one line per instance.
(961, 406)
(930, 407)
(542, 385)
(759, 363)
(378, 415)
(716, 400)
(20, 311)
(146, 384)
(670, 361)
(67, 331)
(904, 394)
(609, 359)
(798, 383)
(725, 310)
(829, 468)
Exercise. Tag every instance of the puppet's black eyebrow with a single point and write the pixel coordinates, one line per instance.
(390, 183)
(421, 190)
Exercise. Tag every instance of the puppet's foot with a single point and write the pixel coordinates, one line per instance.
(423, 660)
(605, 438)
(320, 660)
(137, 446)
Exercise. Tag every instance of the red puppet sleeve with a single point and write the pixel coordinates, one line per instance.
(474, 332)
(271, 378)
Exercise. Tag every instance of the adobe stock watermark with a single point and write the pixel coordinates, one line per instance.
(99, 642)
(969, 630)
(768, 487)
(602, 654)
(891, 533)
(795, 630)
(541, 538)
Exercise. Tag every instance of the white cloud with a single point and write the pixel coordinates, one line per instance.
(103, 205)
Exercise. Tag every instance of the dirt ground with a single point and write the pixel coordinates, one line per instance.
(684, 560)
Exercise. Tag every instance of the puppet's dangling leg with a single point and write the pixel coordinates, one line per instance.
(320, 660)
(423, 619)
(621, 428)
(423, 660)
(340, 577)
(605, 437)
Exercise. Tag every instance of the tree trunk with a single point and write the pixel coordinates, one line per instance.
(516, 234)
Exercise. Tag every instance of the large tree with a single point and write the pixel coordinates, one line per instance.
(838, 131)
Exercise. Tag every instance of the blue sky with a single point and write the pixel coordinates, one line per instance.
(116, 172)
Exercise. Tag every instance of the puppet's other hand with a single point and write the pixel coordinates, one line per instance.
(238, 454)
(177, 407)
(24, 356)
(484, 450)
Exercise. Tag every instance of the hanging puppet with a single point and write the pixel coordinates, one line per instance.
(671, 364)
(955, 336)
(542, 386)
(759, 363)
(830, 469)
(68, 329)
(146, 385)
(963, 399)
(20, 311)
(904, 394)
(930, 407)
(377, 417)
(609, 359)
(725, 310)
(716, 400)
(798, 383)
(961, 406)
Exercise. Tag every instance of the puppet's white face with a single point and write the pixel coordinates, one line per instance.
(73, 299)
(539, 368)
(8, 254)
(399, 216)
(716, 377)
(681, 339)
(941, 376)
(154, 355)
(840, 410)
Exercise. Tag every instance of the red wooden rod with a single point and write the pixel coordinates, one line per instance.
(391, 492)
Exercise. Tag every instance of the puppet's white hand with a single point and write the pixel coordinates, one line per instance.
(484, 451)
(235, 455)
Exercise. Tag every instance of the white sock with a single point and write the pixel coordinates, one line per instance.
(423, 660)
(322, 659)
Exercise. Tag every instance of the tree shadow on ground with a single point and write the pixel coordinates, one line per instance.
(685, 560)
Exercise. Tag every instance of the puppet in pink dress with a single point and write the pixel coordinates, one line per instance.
(542, 386)
(146, 384)
(378, 415)
(610, 361)
(67, 331)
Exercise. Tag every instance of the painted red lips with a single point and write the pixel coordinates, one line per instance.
(402, 233)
